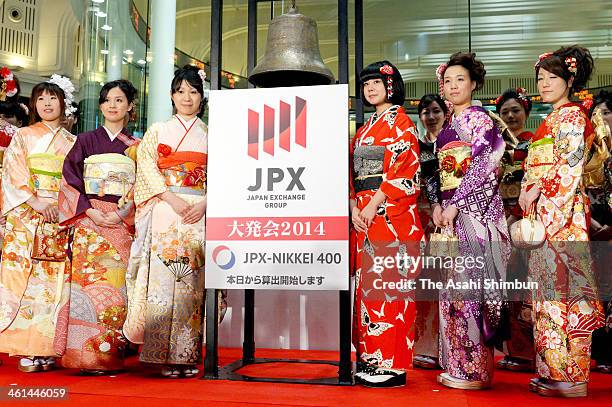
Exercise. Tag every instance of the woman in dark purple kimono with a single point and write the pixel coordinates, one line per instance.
(98, 176)
(469, 149)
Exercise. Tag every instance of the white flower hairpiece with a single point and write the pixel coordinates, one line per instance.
(66, 85)
(202, 75)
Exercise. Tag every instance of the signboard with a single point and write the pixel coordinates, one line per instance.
(277, 210)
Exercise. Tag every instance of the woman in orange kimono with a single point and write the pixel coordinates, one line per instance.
(566, 306)
(165, 276)
(383, 202)
(34, 269)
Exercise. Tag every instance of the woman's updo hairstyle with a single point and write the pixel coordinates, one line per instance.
(568, 62)
(474, 66)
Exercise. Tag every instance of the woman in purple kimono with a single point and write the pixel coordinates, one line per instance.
(95, 199)
(469, 149)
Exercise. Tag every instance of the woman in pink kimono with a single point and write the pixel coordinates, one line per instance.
(34, 271)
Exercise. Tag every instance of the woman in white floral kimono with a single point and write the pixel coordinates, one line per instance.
(165, 276)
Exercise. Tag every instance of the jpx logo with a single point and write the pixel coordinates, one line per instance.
(284, 128)
(276, 176)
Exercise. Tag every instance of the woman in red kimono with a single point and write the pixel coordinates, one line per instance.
(383, 202)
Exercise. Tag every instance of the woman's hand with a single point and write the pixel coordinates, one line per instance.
(448, 215)
(178, 205)
(195, 213)
(113, 217)
(528, 197)
(48, 210)
(367, 214)
(437, 215)
(359, 224)
(101, 219)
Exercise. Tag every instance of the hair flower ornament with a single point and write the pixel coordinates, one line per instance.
(542, 57)
(386, 70)
(202, 75)
(66, 85)
(571, 65)
(8, 86)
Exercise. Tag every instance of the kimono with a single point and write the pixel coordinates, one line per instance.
(602, 338)
(165, 277)
(566, 305)
(97, 174)
(7, 131)
(520, 343)
(510, 185)
(427, 316)
(469, 150)
(385, 155)
(31, 291)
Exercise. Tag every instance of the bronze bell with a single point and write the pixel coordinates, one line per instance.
(292, 55)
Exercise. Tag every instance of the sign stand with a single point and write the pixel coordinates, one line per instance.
(229, 372)
(211, 362)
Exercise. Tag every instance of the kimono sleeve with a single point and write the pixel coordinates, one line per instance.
(149, 180)
(487, 149)
(561, 181)
(352, 194)
(73, 200)
(16, 188)
(401, 162)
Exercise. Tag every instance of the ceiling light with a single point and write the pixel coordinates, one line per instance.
(106, 27)
(101, 14)
(141, 62)
(128, 52)
(104, 51)
(97, 1)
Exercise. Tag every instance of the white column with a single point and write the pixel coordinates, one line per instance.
(161, 67)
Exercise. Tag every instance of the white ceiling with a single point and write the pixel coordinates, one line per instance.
(417, 35)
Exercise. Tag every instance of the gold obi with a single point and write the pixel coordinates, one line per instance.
(539, 160)
(454, 158)
(45, 173)
(109, 174)
(593, 176)
(510, 185)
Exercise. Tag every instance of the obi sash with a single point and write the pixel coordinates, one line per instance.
(45, 173)
(368, 165)
(539, 159)
(455, 159)
(109, 174)
(184, 172)
(510, 186)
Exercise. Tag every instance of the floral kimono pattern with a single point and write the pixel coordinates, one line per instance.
(7, 131)
(165, 276)
(566, 306)
(427, 313)
(89, 333)
(31, 291)
(470, 319)
(385, 155)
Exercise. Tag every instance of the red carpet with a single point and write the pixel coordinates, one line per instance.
(143, 387)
